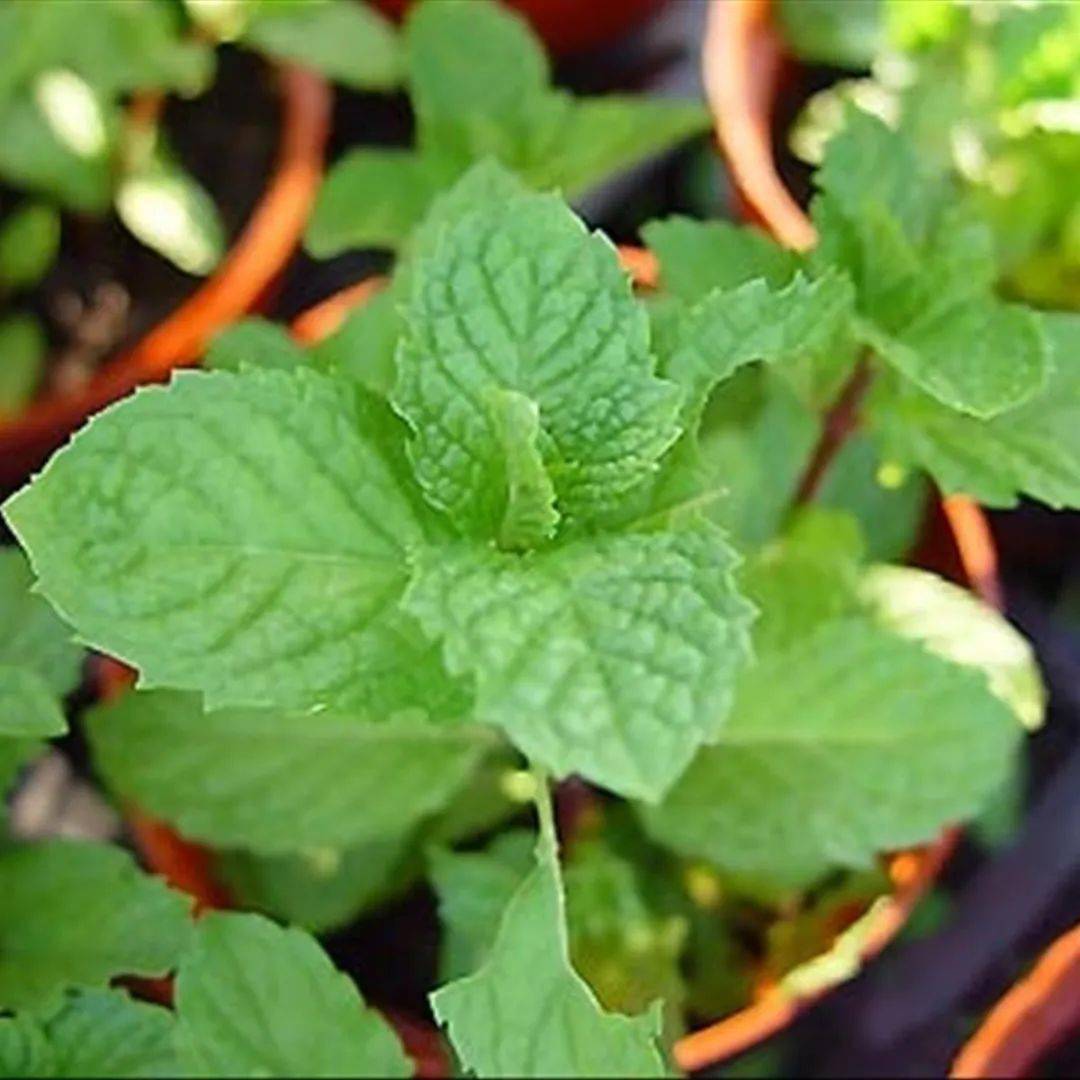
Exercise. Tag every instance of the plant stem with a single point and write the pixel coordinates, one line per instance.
(545, 808)
(841, 420)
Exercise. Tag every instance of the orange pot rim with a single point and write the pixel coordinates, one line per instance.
(1033, 1017)
(264, 245)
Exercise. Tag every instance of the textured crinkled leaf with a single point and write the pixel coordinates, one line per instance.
(851, 742)
(1031, 450)
(372, 197)
(241, 535)
(601, 136)
(277, 781)
(253, 999)
(612, 657)
(981, 357)
(33, 637)
(353, 44)
(95, 1033)
(953, 623)
(254, 343)
(530, 516)
(527, 1013)
(77, 914)
(697, 257)
(707, 343)
(521, 297)
(28, 708)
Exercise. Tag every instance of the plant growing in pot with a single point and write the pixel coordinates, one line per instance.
(1007, 131)
(84, 113)
(568, 533)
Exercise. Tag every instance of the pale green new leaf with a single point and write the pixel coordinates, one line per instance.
(253, 999)
(254, 343)
(240, 535)
(613, 656)
(350, 43)
(851, 742)
(95, 1033)
(527, 1013)
(77, 914)
(363, 347)
(953, 623)
(279, 781)
(521, 297)
(530, 517)
(372, 197)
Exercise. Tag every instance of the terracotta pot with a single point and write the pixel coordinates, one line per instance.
(256, 258)
(568, 26)
(1036, 1016)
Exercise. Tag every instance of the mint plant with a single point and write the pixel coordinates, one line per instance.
(533, 529)
(72, 141)
(1005, 132)
(479, 84)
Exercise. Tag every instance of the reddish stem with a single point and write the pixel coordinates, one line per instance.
(840, 421)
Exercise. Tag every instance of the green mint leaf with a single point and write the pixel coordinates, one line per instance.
(29, 242)
(981, 357)
(1032, 450)
(850, 742)
(363, 348)
(522, 298)
(15, 755)
(254, 343)
(601, 136)
(478, 77)
(240, 535)
(95, 1033)
(755, 437)
(22, 347)
(276, 781)
(530, 517)
(958, 626)
(28, 707)
(697, 257)
(353, 44)
(867, 163)
(474, 888)
(372, 197)
(612, 657)
(321, 889)
(707, 343)
(253, 999)
(77, 914)
(34, 638)
(33, 157)
(890, 509)
(527, 1013)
